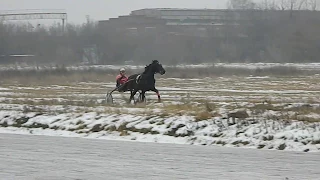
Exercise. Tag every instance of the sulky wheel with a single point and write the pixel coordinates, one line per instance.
(109, 98)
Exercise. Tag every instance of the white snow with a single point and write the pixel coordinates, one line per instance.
(293, 136)
(6, 93)
(4, 89)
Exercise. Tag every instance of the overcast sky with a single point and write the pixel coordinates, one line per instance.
(105, 9)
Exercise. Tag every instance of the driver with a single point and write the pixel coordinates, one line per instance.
(121, 78)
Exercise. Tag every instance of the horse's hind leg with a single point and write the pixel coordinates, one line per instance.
(131, 95)
(158, 94)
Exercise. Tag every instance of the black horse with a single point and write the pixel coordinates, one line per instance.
(144, 82)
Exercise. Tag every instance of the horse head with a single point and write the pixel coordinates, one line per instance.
(155, 67)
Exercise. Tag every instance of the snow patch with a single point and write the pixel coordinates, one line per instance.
(268, 134)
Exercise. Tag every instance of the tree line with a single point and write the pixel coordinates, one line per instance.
(289, 35)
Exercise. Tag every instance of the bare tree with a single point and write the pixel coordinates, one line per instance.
(302, 4)
(268, 5)
(289, 4)
(313, 4)
(241, 4)
(298, 4)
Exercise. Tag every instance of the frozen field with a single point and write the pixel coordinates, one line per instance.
(55, 158)
(280, 113)
(304, 66)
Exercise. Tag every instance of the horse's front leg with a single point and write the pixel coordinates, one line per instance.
(133, 92)
(157, 92)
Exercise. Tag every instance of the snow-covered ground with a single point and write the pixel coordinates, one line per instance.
(25, 157)
(269, 112)
(270, 134)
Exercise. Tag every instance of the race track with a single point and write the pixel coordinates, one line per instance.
(25, 157)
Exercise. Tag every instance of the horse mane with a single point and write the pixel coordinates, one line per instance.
(147, 68)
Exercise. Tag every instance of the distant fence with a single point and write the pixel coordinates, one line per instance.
(16, 58)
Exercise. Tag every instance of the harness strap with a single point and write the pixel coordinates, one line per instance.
(138, 78)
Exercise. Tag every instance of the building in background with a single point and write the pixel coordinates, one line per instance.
(201, 35)
(196, 22)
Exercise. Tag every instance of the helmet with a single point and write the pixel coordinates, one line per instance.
(122, 70)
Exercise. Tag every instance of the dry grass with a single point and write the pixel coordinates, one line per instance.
(60, 75)
(201, 111)
(181, 109)
(305, 109)
(214, 71)
(54, 102)
(203, 115)
(307, 119)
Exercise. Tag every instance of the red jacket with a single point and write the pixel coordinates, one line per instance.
(121, 79)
